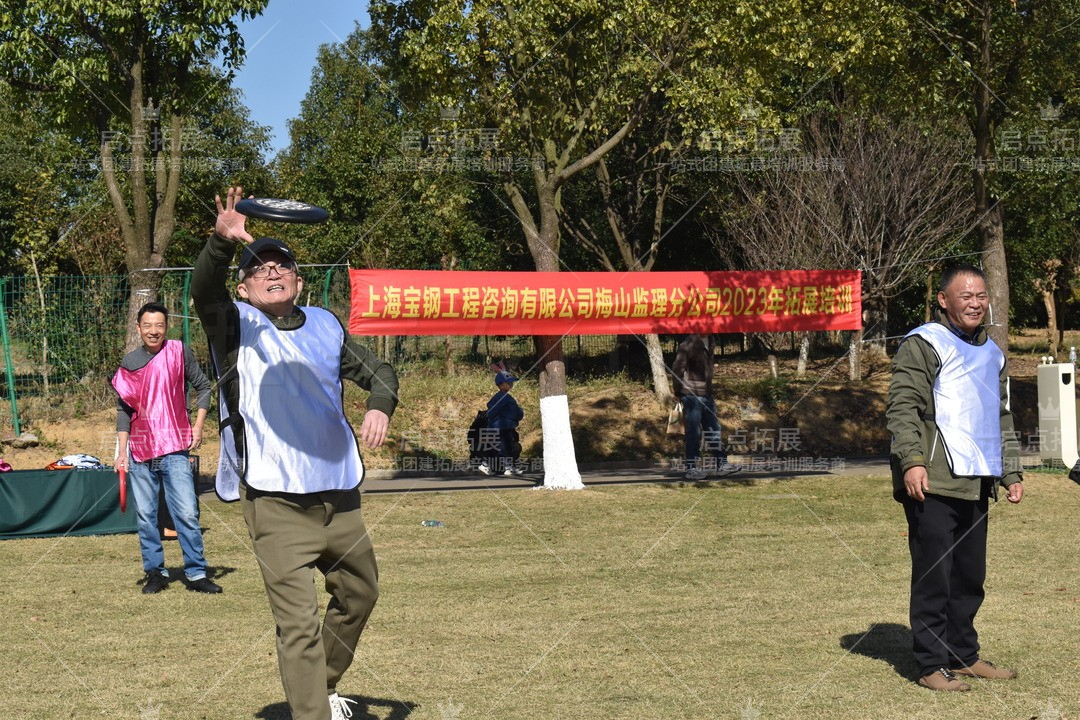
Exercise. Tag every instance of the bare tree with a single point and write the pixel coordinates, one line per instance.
(883, 198)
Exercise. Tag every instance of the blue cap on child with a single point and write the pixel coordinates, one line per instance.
(504, 377)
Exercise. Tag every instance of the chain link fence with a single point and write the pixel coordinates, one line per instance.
(63, 338)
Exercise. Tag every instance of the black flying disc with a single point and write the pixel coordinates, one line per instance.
(278, 210)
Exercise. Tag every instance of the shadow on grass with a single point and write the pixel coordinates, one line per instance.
(676, 481)
(363, 710)
(890, 642)
(176, 575)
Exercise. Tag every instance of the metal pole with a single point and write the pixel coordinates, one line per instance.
(326, 289)
(9, 369)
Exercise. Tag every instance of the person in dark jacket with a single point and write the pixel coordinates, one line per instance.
(952, 445)
(693, 372)
(289, 454)
(504, 414)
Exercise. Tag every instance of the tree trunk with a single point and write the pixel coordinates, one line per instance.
(1051, 321)
(560, 459)
(988, 209)
(448, 356)
(930, 295)
(876, 312)
(855, 356)
(661, 383)
(992, 232)
(804, 355)
(448, 264)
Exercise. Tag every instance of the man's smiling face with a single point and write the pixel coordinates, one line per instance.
(153, 326)
(965, 302)
(273, 286)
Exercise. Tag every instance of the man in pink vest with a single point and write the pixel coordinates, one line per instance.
(152, 424)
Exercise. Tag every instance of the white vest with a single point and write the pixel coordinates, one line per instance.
(967, 401)
(296, 437)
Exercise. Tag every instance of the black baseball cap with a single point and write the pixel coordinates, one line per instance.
(253, 252)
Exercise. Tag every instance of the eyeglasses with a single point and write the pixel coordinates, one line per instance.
(264, 270)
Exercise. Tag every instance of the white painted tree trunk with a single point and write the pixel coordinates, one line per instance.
(560, 460)
(804, 355)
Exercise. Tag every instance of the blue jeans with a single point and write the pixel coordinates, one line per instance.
(174, 470)
(701, 424)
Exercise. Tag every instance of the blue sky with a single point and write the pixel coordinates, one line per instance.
(281, 47)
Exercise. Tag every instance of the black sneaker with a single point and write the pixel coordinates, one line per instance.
(204, 585)
(155, 582)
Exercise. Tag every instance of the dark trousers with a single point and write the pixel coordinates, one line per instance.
(509, 449)
(293, 536)
(947, 539)
(702, 427)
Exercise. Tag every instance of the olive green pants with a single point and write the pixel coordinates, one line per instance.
(293, 535)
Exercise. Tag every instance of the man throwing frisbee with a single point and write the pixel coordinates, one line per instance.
(288, 452)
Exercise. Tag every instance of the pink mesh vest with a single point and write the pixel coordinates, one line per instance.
(160, 423)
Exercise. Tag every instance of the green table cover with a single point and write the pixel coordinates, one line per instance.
(49, 503)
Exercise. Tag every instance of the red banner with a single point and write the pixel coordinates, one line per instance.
(434, 302)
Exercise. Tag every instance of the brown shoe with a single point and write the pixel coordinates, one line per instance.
(944, 680)
(986, 670)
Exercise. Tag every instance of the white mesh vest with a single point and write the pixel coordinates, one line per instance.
(967, 401)
(295, 433)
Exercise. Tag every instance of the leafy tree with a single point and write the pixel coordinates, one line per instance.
(565, 82)
(125, 77)
(1037, 172)
(43, 174)
(345, 154)
(985, 61)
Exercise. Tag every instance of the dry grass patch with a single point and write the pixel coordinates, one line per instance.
(621, 602)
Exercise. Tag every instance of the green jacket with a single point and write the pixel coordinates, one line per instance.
(915, 437)
(220, 320)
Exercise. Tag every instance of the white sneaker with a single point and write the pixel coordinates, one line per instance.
(696, 473)
(338, 709)
(511, 472)
(484, 468)
(725, 468)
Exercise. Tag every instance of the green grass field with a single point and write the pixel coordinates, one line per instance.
(784, 599)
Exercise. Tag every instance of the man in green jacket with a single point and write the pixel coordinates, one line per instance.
(952, 444)
(289, 455)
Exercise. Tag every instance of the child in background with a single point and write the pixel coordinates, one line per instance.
(504, 414)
